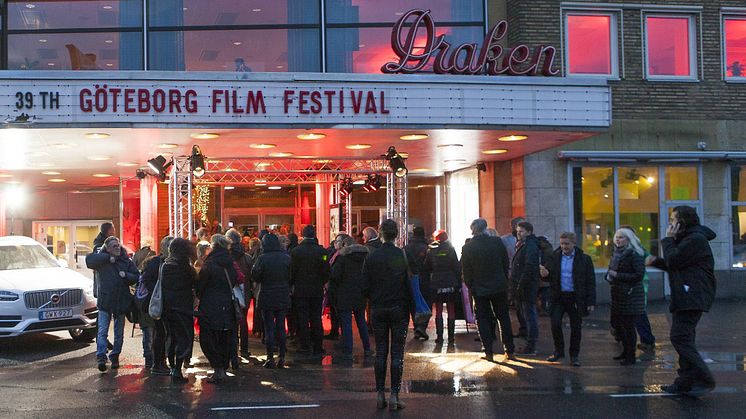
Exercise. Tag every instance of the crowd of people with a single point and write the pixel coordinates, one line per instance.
(291, 281)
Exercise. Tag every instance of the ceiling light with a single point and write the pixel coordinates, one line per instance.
(30, 6)
(167, 145)
(361, 46)
(281, 154)
(43, 41)
(51, 173)
(5, 175)
(56, 180)
(50, 64)
(278, 67)
(197, 161)
(413, 137)
(109, 65)
(651, 179)
(449, 145)
(358, 146)
(229, 188)
(311, 136)
(107, 7)
(63, 146)
(237, 43)
(495, 151)
(204, 135)
(256, 10)
(102, 175)
(513, 138)
(274, 188)
(126, 164)
(454, 161)
(98, 158)
(262, 146)
(420, 170)
(96, 135)
(396, 162)
(109, 41)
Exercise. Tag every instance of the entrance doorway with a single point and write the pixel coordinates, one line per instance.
(70, 241)
(251, 220)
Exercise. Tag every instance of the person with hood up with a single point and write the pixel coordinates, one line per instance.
(217, 315)
(687, 257)
(443, 271)
(346, 276)
(116, 273)
(416, 250)
(524, 273)
(272, 272)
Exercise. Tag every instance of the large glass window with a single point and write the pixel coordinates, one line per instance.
(638, 204)
(593, 199)
(232, 12)
(77, 14)
(682, 183)
(366, 11)
(738, 206)
(591, 44)
(670, 47)
(735, 46)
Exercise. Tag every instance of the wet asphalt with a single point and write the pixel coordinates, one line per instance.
(49, 375)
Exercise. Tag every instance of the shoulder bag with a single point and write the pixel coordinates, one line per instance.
(236, 305)
(155, 308)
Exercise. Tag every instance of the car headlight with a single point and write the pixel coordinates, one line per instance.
(89, 290)
(8, 296)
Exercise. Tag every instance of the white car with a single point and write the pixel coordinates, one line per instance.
(37, 294)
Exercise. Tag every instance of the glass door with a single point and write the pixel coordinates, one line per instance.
(57, 238)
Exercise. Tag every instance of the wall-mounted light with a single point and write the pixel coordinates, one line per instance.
(197, 161)
(396, 162)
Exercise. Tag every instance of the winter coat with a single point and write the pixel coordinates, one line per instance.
(385, 279)
(690, 265)
(373, 244)
(272, 272)
(545, 257)
(216, 311)
(141, 256)
(347, 277)
(524, 271)
(416, 251)
(177, 286)
(98, 242)
(244, 263)
(484, 261)
(442, 267)
(583, 278)
(114, 294)
(627, 292)
(309, 269)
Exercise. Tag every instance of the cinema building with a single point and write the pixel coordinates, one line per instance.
(163, 116)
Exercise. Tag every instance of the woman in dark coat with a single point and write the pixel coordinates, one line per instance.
(347, 280)
(444, 272)
(217, 315)
(626, 271)
(177, 285)
(272, 272)
(157, 337)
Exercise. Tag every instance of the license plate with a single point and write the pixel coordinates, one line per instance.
(55, 314)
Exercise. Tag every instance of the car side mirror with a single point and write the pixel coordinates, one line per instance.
(63, 263)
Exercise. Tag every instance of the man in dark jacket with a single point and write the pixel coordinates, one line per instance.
(116, 273)
(572, 283)
(346, 276)
(309, 271)
(687, 257)
(107, 230)
(371, 238)
(524, 274)
(484, 261)
(416, 251)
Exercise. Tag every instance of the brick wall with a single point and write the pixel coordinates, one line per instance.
(538, 22)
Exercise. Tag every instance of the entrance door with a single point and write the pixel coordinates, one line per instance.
(70, 241)
(279, 220)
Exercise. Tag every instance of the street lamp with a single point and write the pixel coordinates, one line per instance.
(15, 196)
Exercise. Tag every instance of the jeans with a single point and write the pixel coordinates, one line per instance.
(309, 311)
(528, 308)
(642, 325)
(692, 368)
(147, 342)
(104, 319)
(274, 328)
(390, 330)
(345, 317)
(492, 310)
(566, 304)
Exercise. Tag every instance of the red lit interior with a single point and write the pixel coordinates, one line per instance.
(668, 46)
(589, 44)
(735, 47)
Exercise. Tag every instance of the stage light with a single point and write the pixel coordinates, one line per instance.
(140, 174)
(197, 161)
(396, 162)
(481, 166)
(345, 188)
(159, 166)
(372, 183)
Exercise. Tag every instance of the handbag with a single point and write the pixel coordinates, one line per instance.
(155, 308)
(468, 310)
(236, 305)
(238, 292)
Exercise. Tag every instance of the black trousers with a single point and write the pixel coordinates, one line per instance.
(492, 311)
(390, 329)
(179, 329)
(159, 343)
(566, 304)
(216, 345)
(274, 331)
(243, 329)
(625, 327)
(692, 368)
(309, 312)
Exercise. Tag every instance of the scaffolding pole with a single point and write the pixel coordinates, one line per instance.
(396, 205)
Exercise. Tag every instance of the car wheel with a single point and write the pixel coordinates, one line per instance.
(83, 335)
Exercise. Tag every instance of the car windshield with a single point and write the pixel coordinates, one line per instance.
(25, 257)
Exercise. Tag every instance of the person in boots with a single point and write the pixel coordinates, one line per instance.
(444, 272)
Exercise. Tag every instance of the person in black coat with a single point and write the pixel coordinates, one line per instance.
(177, 287)
(116, 273)
(386, 284)
(346, 276)
(626, 271)
(216, 312)
(443, 271)
(524, 274)
(155, 335)
(484, 261)
(309, 271)
(244, 263)
(416, 250)
(687, 257)
(272, 272)
(572, 284)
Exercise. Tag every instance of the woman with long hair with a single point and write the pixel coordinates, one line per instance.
(626, 271)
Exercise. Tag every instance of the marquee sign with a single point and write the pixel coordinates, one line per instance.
(491, 58)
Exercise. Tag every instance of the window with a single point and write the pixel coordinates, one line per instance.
(735, 47)
(606, 198)
(738, 220)
(365, 11)
(232, 12)
(670, 51)
(591, 44)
